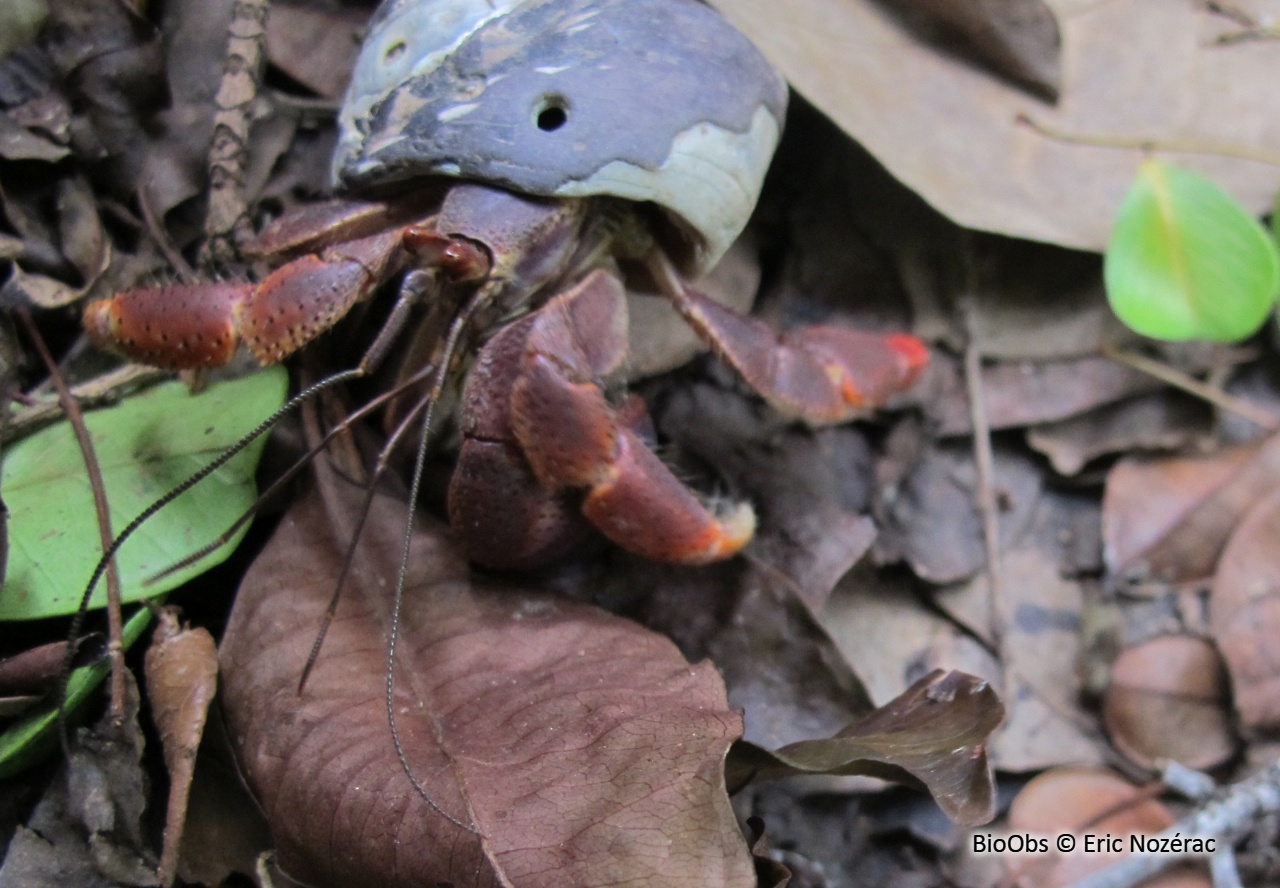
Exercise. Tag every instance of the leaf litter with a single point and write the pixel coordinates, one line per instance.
(870, 570)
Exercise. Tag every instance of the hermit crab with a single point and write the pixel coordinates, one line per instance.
(519, 165)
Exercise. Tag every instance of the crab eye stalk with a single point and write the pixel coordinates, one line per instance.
(461, 259)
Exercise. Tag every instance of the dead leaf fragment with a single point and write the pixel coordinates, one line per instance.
(1164, 420)
(1015, 38)
(1167, 701)
(87, 830)
(1021, 393)
(1168, 518)
(182, 677)
(935, 733)
(317, 47)
(570, 746)
(1244, 613)
(933, 522)
(1075, 800)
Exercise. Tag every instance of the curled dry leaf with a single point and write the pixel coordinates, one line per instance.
(1075, 800)
(1168, 701)
(1244, 613)
(1164, 420)
(933, 734)
(573, 747)
(1169, 518)
(182, 676)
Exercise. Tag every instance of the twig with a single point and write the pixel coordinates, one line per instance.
(982, 455)
(107, 387)
(1167, 145)
(115, 646)
(1228, 818)
(1218, 398)
(227, 222)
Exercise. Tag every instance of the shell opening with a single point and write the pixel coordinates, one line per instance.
(551, 112)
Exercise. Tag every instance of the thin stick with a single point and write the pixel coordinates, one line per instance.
(77, 621)
(1217, 397)
(75, 418)
(227, 222)
(100, 390)
(1167, 145)
(1226, 819)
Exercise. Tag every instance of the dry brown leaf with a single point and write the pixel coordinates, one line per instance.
(316, 47)
(575, 747)
(1147, 72)
(20, 143)
(881, 625)
(1017, 394)
(1244, 612)
(1039, 649)
(182, 677)
(934, 733)
(933, 522)
(1075, 800)
(1168, 701)
(88, 829)
(1015, 38)
(1164, 420)
(1168, 518)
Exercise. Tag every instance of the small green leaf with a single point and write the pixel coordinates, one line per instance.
(30, 739)
(1187, 262)
(145, 446)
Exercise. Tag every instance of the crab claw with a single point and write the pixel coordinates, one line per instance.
(534, 394)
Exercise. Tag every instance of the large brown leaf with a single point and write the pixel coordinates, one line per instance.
(576, 747)
(1178, 77)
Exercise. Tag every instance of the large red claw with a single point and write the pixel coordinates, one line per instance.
(177, 328)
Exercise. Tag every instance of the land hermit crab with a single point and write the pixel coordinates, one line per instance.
(520, 165)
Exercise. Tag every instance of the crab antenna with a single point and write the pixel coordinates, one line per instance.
(275, 486)
(413, 288)
(450, 346)
(77, 622)
(384, 460)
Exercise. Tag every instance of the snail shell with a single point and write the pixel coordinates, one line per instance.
(646, 100)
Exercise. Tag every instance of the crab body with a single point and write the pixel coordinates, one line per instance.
(561, 180)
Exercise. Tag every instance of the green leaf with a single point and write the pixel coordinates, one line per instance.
(1187, 262)
(30, 739)
(145, 447)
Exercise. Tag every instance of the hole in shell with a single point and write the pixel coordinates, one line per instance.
(394, 51)
(551, 113)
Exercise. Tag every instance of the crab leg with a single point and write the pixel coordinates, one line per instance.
(188, 327)
(533, 404)
(822, 374)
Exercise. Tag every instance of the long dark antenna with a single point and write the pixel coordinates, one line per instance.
(446, 358)
(413, 288)
(77, 622)
(384, 460)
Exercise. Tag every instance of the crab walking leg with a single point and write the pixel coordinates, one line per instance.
(535, 393)
(200, 325)
(822, 374)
